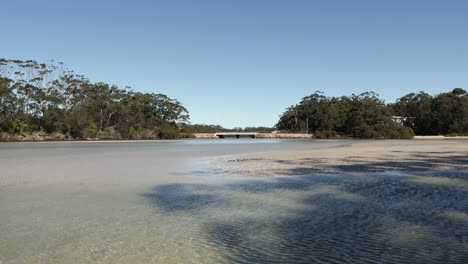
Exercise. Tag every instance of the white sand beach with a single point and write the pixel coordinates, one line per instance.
(359, 156)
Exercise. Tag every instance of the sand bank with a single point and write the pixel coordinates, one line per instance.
(440, 137)
(358, 156)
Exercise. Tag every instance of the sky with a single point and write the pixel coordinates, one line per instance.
(242, 62)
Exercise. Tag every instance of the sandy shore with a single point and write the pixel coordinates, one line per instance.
(440, 137)
(358, 156)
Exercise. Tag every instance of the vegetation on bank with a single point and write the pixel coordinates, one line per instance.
(359, 116)
(198, 128)
(367, 116)
(44, 98)
(49, 101)
(443, 114)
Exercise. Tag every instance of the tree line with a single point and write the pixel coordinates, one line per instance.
(367, 116)
(445, 113)
(201, 128)
(49, 98)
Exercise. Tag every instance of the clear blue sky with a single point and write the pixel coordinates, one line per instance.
(242, 62)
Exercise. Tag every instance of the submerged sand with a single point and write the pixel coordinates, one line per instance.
(357, 156)
(163, 203)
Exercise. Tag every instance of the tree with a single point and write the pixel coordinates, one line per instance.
(450, 112)
(8, 102)
(363, 116)
(416, 112)
(53, 99)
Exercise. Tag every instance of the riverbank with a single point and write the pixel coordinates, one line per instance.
(41, 137)
(358, 156)
(45, 137)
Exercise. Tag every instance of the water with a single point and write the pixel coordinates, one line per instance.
(168, 202)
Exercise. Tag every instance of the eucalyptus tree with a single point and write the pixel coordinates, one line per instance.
(51, 98)
(429, 115)
(369, 117)
(450, 112)
(364, 116)
(312, 112)
(289, 120)
(415, 110)
(8, 103)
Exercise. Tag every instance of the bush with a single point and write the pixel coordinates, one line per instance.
(17, 127)
(326, 134)
(167, 131)
(109, 133)
(386, 130)
(90, 131)
(141, 134)
(406, 133)
(365, 131)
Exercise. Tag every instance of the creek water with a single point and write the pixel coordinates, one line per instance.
(174, 202)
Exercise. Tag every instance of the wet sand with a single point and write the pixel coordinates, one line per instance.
(357, 156)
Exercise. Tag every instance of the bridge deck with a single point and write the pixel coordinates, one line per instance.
(236, 134)
(255, 135)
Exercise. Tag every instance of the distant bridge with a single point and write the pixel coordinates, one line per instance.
(236, 134)
(253, 135)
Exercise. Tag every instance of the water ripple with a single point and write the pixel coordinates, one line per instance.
(371, 218)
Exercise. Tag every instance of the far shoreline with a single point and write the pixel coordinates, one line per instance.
(213, 139)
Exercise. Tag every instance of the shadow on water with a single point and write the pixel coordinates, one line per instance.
(417, 162)
(410, 216)
(182, 197)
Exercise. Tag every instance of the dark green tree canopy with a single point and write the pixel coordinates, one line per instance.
(363, 116)
(49, 97)
(445, 113)
(367, 116)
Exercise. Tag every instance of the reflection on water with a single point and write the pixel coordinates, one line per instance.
(139, 203)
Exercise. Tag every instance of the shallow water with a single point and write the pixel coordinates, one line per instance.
(169, 202)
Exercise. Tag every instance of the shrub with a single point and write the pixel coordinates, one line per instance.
(90, 131)
(406, 133)
(167, 131)
(18, 127)
(386, 130)
(109, 133)
(326, 134)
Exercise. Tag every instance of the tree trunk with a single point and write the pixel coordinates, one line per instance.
(100, 121)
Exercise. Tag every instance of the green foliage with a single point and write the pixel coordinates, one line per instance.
(416, 110)
(444, 113)
(360, 116)
(53, 121)
(17, 127)
(406, 133)
(50, 98)
(90, 131)
(7, 104)
(197, 128)
(367, 116)
(326, 134)
(168, 131)
(383, 131)
(109, 133)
